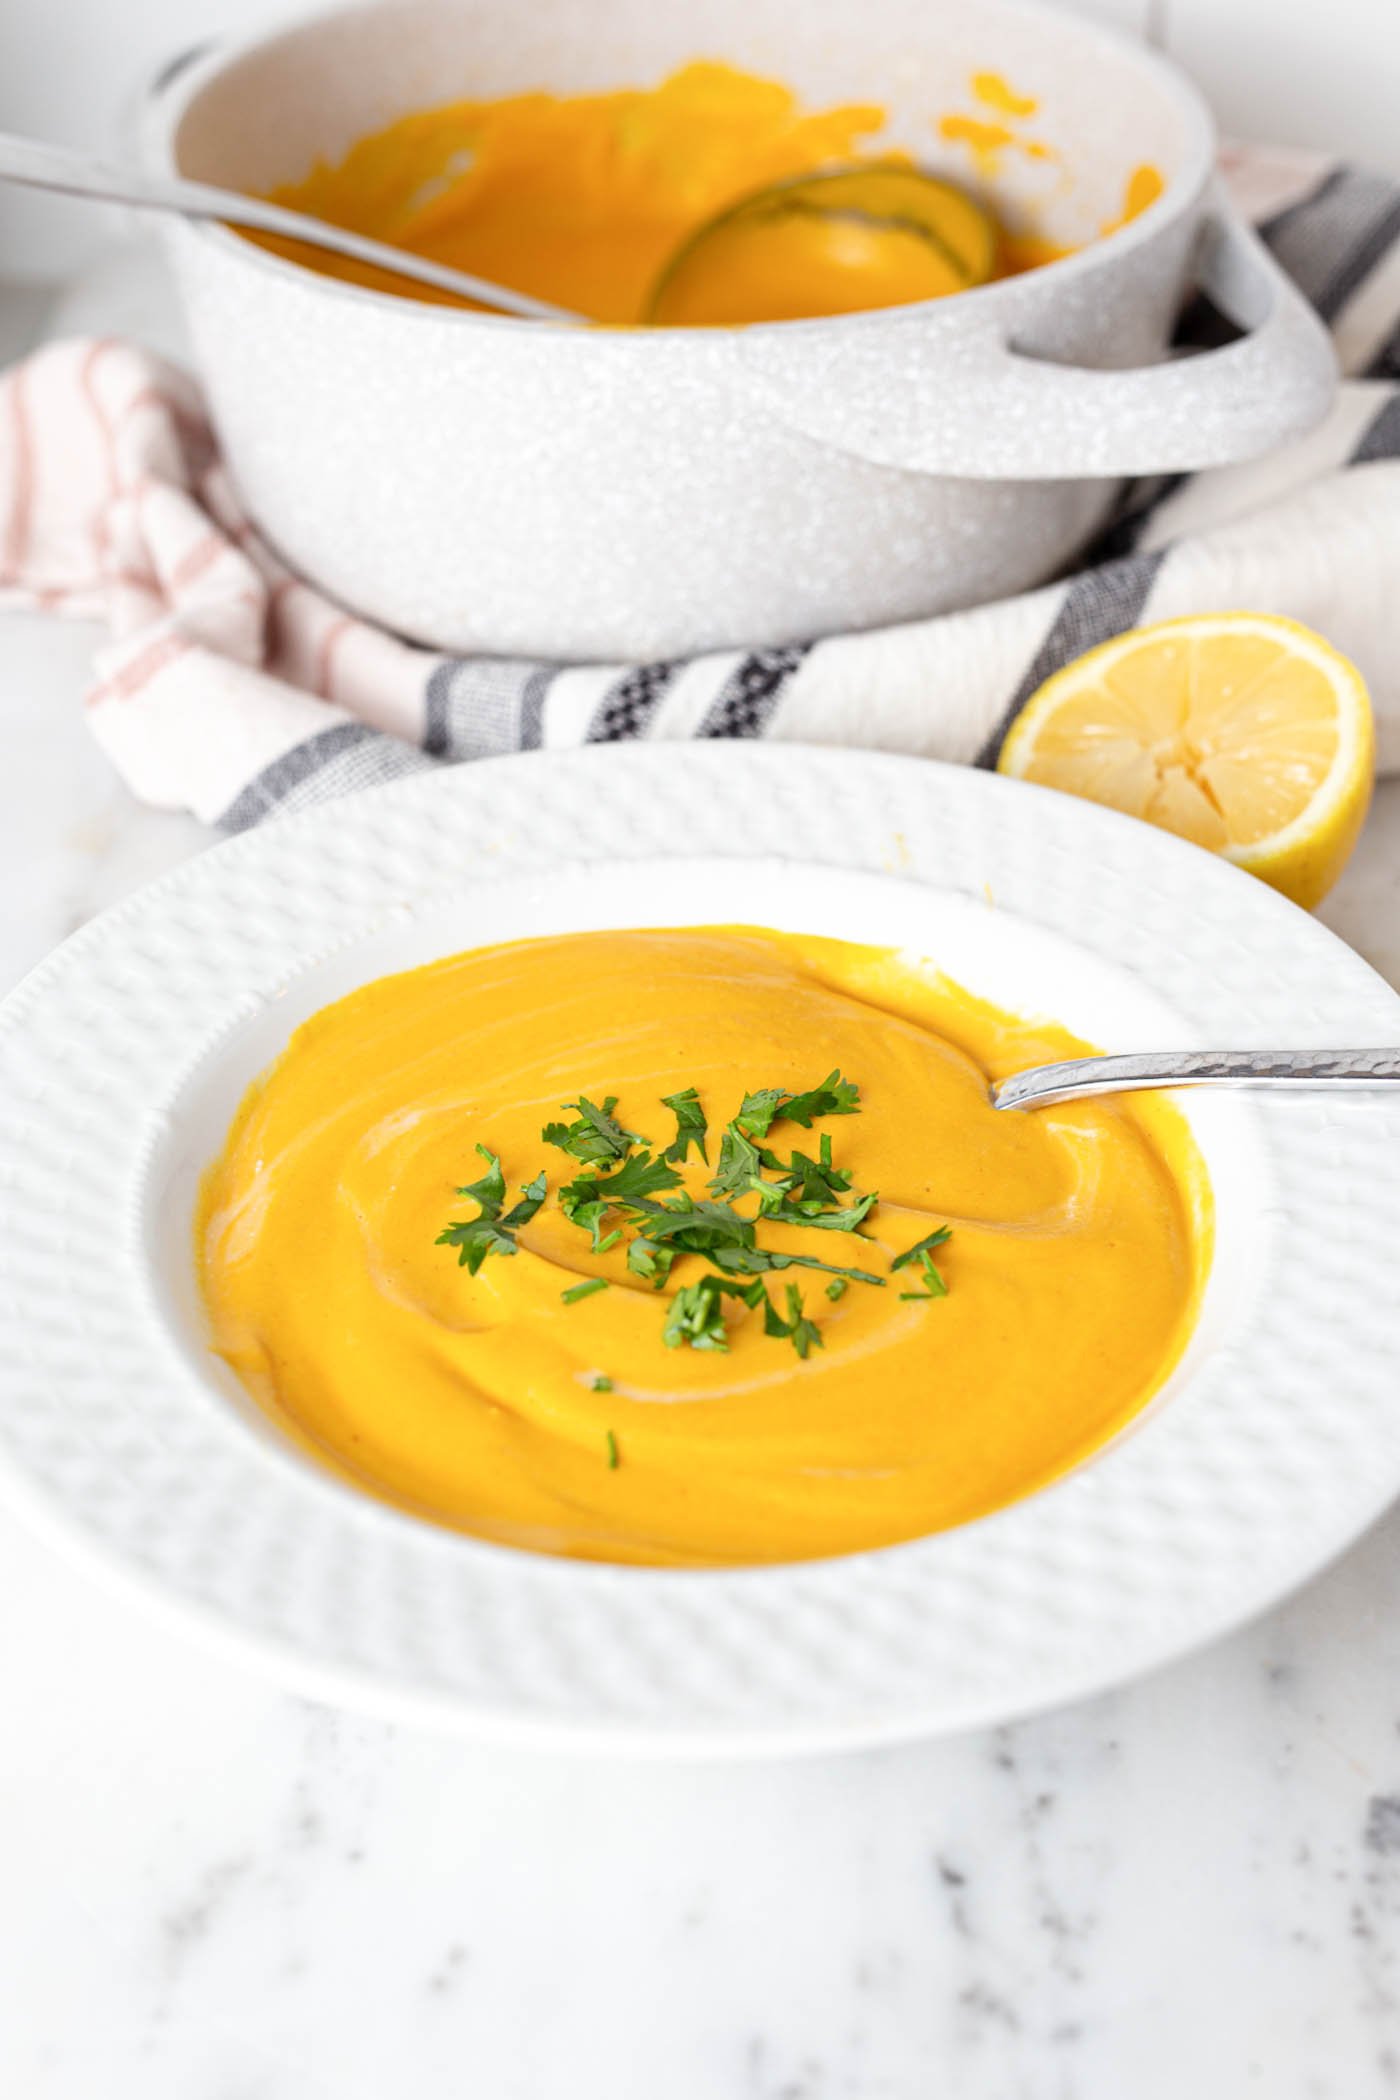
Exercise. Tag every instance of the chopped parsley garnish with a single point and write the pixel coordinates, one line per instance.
(697, 1314)
(490, 1191)
(602, 1383)
(834, 1097)
(653, 1264)
(934, 1286)
(614, 1456)
(810, 1192)
(815, 1180)
(586, 1201)
(739, 1163)
(585, 1289)
(474, 1239)
(753, 1261)
(824, 1217)
(804, 1192)
(588, 1217)
(634, 1181)
(491, 1231)
(596, 1135)
(622, 1199)
(532, 1195)
(920, 1248)
(804, 1334)
(757, 1111)
(691, 1126)
(694, 1228)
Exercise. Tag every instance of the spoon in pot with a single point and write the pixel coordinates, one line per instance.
(1338, 1071)
(44, 167)
(839, 240)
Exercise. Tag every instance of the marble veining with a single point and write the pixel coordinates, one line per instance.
(214, 1891)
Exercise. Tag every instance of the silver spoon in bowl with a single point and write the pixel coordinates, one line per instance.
(44, 167)
(1077, 1079)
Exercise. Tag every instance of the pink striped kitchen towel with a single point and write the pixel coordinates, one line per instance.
(232, 688)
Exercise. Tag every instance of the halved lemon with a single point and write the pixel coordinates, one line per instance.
(1246, 733)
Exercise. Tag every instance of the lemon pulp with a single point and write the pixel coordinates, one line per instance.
(1244, 732)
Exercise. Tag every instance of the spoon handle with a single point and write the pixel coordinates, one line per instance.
(1077, 1078)
(45, 167)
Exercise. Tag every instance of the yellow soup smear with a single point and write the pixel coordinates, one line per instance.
(998, 94)
(584, 200)
(577, 199)
(1079, 1239)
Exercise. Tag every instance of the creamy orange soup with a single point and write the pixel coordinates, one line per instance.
(583, 200)
(402, 1262)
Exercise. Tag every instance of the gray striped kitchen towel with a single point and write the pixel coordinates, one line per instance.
(231, 688)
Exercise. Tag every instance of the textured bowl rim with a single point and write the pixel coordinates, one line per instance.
(1306, 1448)
(1180, 195)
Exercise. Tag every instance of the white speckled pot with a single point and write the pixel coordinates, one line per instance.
(490, 484)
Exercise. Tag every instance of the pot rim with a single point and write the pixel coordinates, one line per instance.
(176, 92)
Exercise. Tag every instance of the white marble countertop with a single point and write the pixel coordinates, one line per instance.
(213, 1891)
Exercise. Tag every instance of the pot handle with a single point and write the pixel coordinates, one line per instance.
(971, 403)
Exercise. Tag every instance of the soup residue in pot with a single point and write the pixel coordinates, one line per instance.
(585, 201)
